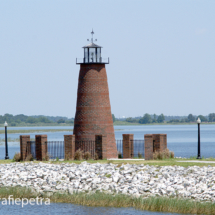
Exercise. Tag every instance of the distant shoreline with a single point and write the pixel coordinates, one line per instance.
(34, 131)
(121, 123)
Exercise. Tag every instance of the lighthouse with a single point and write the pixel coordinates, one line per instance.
(93, 110)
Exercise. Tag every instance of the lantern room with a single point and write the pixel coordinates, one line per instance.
(92, 54)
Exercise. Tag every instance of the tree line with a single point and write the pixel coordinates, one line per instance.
(147, 118)
(22, 119)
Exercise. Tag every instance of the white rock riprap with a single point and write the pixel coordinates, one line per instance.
(138, 180)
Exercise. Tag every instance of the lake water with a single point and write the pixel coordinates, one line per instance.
(64, 208)
(182, 139)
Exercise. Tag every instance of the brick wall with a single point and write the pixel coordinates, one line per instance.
(41, 147)
(24, 149)
(163, 142)
(148, 139)
(128, 149)
(93, 111)
(153, 143)
(69, 146)
(101, 146)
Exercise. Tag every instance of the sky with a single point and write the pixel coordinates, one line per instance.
(161, 55)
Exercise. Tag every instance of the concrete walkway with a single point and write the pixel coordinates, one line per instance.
(193, 161)
(199, 161)
(126, 159)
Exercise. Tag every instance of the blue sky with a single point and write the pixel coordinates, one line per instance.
(161, 55)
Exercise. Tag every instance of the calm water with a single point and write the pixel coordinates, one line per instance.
(182, 139)
(63, 208)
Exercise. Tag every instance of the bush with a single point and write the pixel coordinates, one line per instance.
(17, 157)
(165, 154)
(29, 157)
(119, 154)
(158, 155)
(139, 155)
(96, 157)
(172, 154)
(87, 155)
(78, 155)
(47, 157)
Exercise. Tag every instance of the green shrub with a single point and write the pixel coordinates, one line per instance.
(17, 157)
(165, 154)
(29, 157)
(119, 154)
(96, 157)
(87, 155)
(78, 155)
(139, 155)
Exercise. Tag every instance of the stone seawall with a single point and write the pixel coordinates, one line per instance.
(137, 180)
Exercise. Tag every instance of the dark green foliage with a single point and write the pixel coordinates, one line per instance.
(154, 118)
(31, 120)
(145, 119)
(191, 118)
(69, 121)
(133, 120)
(22, 119)
(174, 121)
(211, 117)
(13, 124)
(113, 117)
(119, 155)
(161, 118)
(61, 121)
(43, 119)
(184, 120)
(203, 119)
(7, 117)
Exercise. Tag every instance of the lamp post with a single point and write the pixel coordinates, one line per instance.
(199, 154)
(6, 147)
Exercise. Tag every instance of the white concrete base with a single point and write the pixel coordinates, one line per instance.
(126, 159)
(193, 161)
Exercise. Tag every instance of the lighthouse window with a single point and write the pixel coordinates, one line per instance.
(92, 55)
(98, 54)
(86, 55)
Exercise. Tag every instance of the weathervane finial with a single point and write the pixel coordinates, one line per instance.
(92, 37)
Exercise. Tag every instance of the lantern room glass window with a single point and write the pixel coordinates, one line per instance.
(86, 55)
(98, 54)
(92, 54)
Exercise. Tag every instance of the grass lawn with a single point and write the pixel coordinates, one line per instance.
(165, 162)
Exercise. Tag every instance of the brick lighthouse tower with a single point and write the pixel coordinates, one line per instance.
(93, 111)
